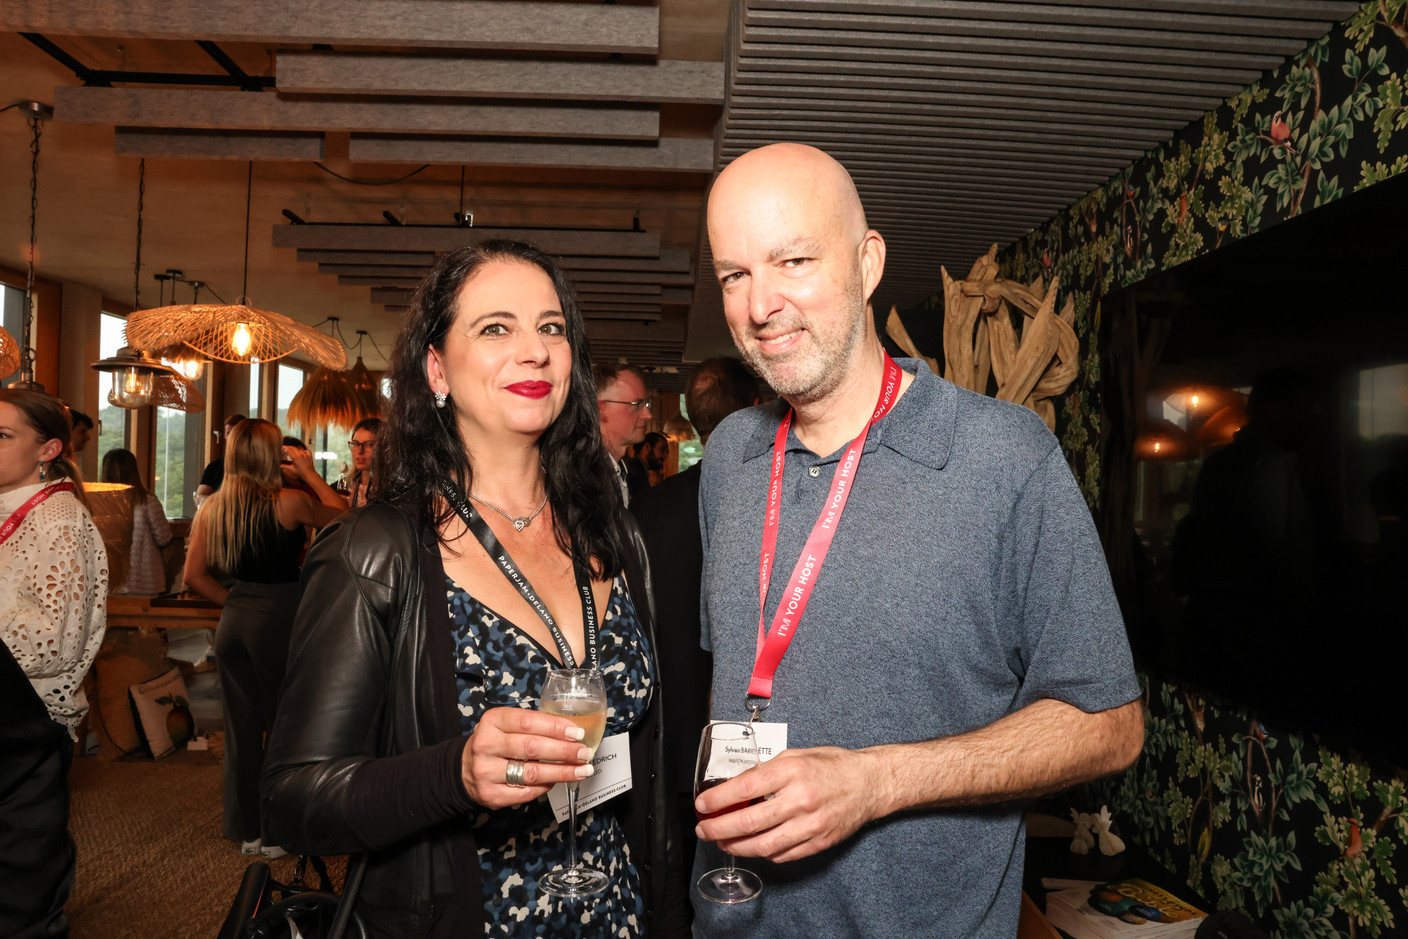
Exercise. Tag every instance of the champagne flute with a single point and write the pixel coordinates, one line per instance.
(726, 749)
(578, 694)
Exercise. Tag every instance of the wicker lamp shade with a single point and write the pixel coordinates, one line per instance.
(177, 392)
(9, 352)
(326, 399)
(231, 333)
(366, 389)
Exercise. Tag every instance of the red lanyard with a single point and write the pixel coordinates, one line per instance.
(18, 515)
(772, 645)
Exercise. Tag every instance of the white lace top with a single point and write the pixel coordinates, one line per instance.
(53, 598)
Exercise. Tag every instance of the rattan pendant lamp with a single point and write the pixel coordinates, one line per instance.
(237, 333)
(334, 398)
(327, 398)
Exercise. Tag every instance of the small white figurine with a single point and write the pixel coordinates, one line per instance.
(1110, 843)
(1084, 838)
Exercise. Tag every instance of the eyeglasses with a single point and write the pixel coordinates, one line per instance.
(361, 444)
(640, 404)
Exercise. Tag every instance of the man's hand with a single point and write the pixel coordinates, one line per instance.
(820, 796)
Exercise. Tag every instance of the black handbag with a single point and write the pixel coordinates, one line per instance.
(266, 909)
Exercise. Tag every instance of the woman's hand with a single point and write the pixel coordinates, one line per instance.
(302, 461)
(548, 747)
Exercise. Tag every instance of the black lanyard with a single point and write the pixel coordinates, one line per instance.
(499, 553)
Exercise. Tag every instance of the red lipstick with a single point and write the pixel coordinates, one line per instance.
(531, 389)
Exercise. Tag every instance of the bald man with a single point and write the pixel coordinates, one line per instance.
(942, 641)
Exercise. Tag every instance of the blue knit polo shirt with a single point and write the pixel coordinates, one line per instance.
(965, 582)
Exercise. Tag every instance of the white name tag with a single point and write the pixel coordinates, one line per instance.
(728, 759)
(772, 739)
(613, 777)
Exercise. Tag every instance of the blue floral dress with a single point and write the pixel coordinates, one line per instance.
(497, 665)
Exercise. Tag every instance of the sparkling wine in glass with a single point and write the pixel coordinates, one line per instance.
(726, 749)
(578, 694)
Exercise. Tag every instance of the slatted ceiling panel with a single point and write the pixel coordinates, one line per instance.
(969, 122)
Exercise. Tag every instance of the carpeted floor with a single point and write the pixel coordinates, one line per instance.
(151, 861)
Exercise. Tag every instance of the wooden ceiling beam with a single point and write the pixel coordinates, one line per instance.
(218, 145)
(238, 110)
(416, 272)
(374, 270)
(449, 238)
(600, 291)
(370, 73)
(455, 24)
(669, 261)
(419, 259)
(637, 317)
(1085, 22)
(669, 154)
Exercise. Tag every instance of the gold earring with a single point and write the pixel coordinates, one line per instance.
(42, 477)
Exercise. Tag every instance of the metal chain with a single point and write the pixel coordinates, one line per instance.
(36, 126)
(137, 267)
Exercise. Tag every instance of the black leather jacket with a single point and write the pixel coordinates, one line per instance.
(365, 751)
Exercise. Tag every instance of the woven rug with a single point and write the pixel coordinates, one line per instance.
(151, 861)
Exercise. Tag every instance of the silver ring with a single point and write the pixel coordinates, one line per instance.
(513, 776)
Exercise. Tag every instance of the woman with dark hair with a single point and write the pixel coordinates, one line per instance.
(53, 612)
(360, 487)
(409, 728)
(252, 529)
(146, 574)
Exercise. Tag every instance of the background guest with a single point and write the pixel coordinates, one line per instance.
(359, 488)
(653, 451)
(53, 612)
(214, 472)
(624, 410)
(669, 523)
(82, 430)
(146, 572)
(253, 530)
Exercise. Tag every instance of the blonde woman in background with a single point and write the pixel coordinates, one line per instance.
(146, 574)
(53, 611)
(252, 529)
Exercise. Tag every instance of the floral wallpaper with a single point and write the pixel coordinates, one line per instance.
(1308, 841)
(1332, 120)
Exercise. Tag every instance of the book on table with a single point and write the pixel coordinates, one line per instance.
(1122, 909)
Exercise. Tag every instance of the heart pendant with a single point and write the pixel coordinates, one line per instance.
(519, 524)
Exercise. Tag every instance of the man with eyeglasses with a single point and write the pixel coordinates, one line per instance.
(359, 488)
(624, 409)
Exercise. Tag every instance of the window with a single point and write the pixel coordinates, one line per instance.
(113, 421)
(253, 389)
(12, 318)
(290, 381)
(180, 456)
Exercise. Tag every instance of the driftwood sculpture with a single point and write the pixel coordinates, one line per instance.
(980, 341)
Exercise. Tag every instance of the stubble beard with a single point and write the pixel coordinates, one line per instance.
(814, 374)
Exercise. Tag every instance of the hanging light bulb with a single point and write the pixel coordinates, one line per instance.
(241, 340)
(131, 387)
(191, 368)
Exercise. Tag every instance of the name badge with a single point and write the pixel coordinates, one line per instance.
(772, 739)
(613, 777)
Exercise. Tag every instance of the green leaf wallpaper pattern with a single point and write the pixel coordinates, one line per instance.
(1308, 841)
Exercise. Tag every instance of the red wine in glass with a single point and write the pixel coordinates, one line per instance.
(726, 749)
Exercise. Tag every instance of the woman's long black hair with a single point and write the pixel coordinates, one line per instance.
(420, 444)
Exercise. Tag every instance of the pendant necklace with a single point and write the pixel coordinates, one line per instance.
(520, 522)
